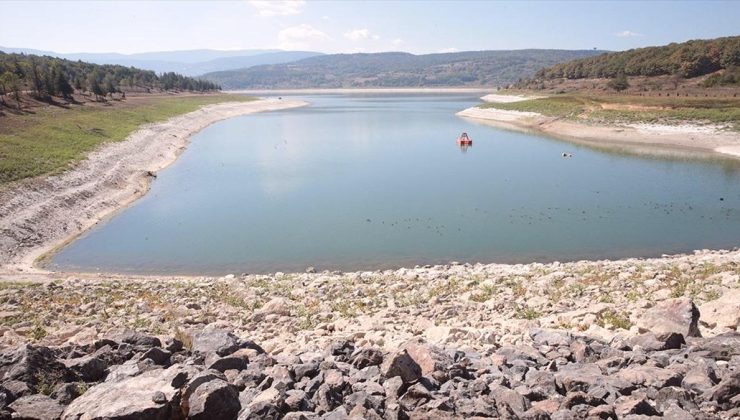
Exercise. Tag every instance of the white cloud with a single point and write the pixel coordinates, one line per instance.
(300, 36)
(628, 34)
(448, 50)
(269, 8)
(357, 34)
(396, 42)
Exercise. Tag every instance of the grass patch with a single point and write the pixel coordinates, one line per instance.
(631, 109)
(52, 139)
(614, 319)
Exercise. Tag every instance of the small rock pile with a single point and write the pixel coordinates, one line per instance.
(213, 374)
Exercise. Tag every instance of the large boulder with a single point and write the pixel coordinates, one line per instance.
(36, 407)
(212, 340)
(89, 368)
(432, 360)
(33, 365)
(678, 315)
(215, 399)
(401, 364)
(154, 394)
(723, 313)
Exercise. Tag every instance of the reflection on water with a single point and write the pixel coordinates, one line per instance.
(368, 181)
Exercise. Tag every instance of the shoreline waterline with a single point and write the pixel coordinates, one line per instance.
(59, 208)
(642, 138)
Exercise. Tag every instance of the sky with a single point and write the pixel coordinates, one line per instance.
(359, 26)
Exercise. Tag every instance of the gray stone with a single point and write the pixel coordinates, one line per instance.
(212, 340)
(678, 315)
(401, 364)
(129, 397)
(36, 407)
(89, 368)
(215, 399)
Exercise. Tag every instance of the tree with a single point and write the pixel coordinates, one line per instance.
(10, 82)
(62, 86)
(619, 83)
(94, 86)
(37, 81)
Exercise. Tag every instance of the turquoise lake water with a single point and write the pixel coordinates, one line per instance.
(356, 182)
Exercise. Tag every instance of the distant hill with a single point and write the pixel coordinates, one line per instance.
(189, 62)
(46, 77)
(398, 69)
(687, 60)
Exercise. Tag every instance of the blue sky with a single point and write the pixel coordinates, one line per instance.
(359, 26)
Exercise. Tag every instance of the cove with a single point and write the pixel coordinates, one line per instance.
(355, 182)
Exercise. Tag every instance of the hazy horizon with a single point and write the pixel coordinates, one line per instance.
(126, 27)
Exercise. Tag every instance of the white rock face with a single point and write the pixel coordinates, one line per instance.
(722, 313)
(128, 398)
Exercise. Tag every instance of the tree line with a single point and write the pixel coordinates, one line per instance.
(687, 60)
(45, 77)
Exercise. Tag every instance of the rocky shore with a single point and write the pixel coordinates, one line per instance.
(634, 338)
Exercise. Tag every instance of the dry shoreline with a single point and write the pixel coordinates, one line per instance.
(40, 215)
(641, 138)
(358, 90)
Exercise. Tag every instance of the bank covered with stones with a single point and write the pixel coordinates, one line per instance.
(667, 371)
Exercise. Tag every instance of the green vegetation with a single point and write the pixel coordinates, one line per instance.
(47, 77)
(396, 69)
(688, 59)
(614, 319)
(52, 139)
(630, 108)
(729, 77)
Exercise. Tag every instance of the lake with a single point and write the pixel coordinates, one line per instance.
(355, 182)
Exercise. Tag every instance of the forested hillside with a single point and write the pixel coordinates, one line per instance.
(44, 77)
(396, 69)
(687, 60)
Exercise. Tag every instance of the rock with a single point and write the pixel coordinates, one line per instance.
(30, 364)
(129, 397)
(36, 407)
(65, 393)
(650, 342)
(726, 390)
(137, 339)
(431, 359)
(542, 336)
(212, 340)
(215, 399)
(276, 306)
(511, 398)
(723, 312)
(222, 364)
(678, 315)
(89, 368)
(634, 405)
(158, 356)
(393, 387)
(16, 389)
(650, 376)
(674, 412)
(414, 397)
(401, 364)
(699, 378)
(365, 357)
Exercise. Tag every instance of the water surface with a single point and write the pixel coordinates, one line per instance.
(373, 181)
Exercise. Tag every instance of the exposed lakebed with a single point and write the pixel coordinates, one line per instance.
(369, 181)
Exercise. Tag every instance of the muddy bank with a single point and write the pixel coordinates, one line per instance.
(38, 215)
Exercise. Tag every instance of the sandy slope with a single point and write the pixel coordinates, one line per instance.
(41, 214)
(638, 137)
